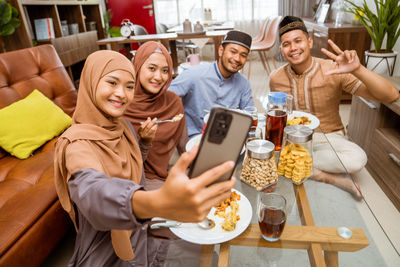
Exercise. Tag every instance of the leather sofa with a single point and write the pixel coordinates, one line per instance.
(32, 221)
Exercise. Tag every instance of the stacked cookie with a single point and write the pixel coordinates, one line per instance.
(295, 163)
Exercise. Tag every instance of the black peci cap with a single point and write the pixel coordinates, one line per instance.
(238, 37)
(290, 23)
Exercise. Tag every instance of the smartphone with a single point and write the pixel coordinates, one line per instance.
(223, 140)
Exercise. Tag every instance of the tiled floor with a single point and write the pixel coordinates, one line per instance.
(386, 215)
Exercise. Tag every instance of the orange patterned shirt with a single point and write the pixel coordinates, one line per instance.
(315, 92)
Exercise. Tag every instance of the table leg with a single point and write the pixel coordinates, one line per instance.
(331, 258)
(128, 49)
(315, 256)
(217, 43)
(303, 205)
(207, 252)
(114, 46)
(174, 55)
(165, 43)
(315, 251)
(223, 259)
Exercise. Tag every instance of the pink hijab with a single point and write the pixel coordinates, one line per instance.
(163, 105)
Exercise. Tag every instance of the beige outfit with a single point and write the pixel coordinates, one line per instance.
(351, 156)
(319, 94)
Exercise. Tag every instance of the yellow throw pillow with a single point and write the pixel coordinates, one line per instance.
(27, 124)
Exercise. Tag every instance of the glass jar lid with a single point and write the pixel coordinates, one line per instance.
(278, 98)
(298, 133)
(260, 149)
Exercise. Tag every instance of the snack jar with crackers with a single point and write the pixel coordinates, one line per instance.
(259, 167)
(295, 161)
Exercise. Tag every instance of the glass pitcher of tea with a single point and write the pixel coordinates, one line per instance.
(279, 106)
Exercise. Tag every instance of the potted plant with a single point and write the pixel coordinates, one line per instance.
(383, 22)
(8, 21)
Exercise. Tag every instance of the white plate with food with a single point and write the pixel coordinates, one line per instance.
(193, 233)
(303, 118)
(195, 141)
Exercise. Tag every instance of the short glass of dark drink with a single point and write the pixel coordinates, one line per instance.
(271, 215)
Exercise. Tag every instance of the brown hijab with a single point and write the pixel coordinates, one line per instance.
(114, 147)
(163, 105)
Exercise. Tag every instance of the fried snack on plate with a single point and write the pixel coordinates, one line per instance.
(299, 121)
(229, 224)
(231, 216)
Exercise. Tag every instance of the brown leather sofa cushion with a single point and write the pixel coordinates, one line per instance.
(27, 190)
(28, 200)
(40, 68)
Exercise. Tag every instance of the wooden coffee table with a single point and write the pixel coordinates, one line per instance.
(322, 243)
(317, 210)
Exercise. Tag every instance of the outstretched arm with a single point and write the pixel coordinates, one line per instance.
(181, 198)
(376, 87)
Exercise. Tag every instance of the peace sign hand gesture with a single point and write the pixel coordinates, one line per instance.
(347, 61)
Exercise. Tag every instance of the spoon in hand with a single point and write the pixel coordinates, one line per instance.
(206, 224)
(166, 224)
(177, 117)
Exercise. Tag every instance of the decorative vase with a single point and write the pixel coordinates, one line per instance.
(338, 9)
(381, 62)
(198, 27)
(187, 26)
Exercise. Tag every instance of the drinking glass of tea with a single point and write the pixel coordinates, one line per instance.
(253, 112)
(271, 215)
(279, 106)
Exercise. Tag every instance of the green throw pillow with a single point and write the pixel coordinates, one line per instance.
(29, 123)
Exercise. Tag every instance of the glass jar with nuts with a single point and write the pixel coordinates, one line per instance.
(259, 167)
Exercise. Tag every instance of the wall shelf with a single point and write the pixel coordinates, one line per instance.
(72, 48)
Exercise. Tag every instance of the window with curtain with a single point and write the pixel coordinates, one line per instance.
(173, 12)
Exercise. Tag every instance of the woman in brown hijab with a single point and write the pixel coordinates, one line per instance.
(153, 66)
(99, 176)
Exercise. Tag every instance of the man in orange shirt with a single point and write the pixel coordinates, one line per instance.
(316, 86)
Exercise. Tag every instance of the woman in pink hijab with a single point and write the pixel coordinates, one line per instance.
(153, 66)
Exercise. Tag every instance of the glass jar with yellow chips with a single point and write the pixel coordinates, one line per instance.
(295, 161)
(259, 167)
